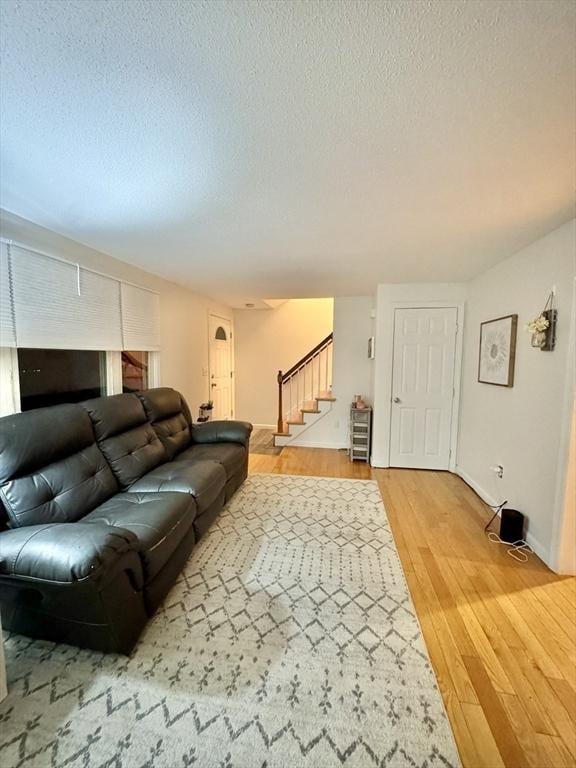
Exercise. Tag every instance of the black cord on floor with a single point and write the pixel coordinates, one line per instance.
(498, 508)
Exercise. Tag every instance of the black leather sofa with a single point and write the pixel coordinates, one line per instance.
(101, 505)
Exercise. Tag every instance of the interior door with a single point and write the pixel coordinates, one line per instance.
(423, 387)
(220, 365)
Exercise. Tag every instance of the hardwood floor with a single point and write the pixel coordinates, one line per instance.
(501, 635)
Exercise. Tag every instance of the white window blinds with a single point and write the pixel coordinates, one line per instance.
(58, 305)
(7, 329)
(50, 303)
(140, 318)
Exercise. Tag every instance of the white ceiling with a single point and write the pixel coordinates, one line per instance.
(291, 149)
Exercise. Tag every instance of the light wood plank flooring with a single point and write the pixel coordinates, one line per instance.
(501, 635)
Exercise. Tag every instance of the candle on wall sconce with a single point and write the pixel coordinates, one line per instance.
(543, 327)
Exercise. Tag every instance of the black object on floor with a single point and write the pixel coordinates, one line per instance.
(512, 526)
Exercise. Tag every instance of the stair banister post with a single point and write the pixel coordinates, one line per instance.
(280, 413)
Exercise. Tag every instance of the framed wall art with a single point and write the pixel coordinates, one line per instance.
(498, 351)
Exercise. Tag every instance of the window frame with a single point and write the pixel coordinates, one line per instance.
(9, 381)
(10, 401)
(114, 372)
(153, 366)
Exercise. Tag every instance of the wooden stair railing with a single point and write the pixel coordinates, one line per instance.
(300, 380)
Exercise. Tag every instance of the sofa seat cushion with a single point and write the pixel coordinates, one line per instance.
(204, 480)
(159, 521)
(64, 552)
(232, 456)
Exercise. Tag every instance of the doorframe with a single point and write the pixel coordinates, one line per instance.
(230, 320)
(9, 381)
(388, 352)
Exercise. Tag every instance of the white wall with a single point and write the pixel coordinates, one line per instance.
(564, 541)
(351, 371)
(272, 340)
(524, 428)
(183, 313)
(388, 297)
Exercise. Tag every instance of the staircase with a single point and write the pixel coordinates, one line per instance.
(304, 393)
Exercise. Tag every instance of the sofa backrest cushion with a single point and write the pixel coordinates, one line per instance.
(51, 469)
(170, 417)
(125, 436)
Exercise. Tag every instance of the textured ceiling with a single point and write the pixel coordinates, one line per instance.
(284, 149)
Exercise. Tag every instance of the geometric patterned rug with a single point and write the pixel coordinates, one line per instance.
(289, 640)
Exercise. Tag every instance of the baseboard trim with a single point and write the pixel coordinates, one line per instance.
(335, 446)
(487, 498)
(265, 426)
(469, 480)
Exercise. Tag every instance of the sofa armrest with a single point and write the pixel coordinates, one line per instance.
(222, 432)
(63, 552)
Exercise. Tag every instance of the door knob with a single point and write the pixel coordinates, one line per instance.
(397, 400)
(213, 385)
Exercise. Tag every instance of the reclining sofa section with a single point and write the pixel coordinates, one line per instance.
(101, 505)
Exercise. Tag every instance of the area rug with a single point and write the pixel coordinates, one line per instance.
(289, 640)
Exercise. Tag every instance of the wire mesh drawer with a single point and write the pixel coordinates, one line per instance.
(360, 433)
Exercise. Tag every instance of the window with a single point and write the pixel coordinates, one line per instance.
(220, 334)
(134, 371)
(67, 332)
(53, 376)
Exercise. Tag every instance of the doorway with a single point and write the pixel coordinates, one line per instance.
(423, 367)
(220, 366)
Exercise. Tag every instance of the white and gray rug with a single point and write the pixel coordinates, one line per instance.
(289, 640)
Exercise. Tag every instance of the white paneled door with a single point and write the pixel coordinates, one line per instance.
(220, 334)
(423, 387)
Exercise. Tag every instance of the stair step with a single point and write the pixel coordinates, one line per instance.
(310, 406)
(325, 394)
(285, 431)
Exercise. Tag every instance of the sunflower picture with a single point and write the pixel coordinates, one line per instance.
(497, 351)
